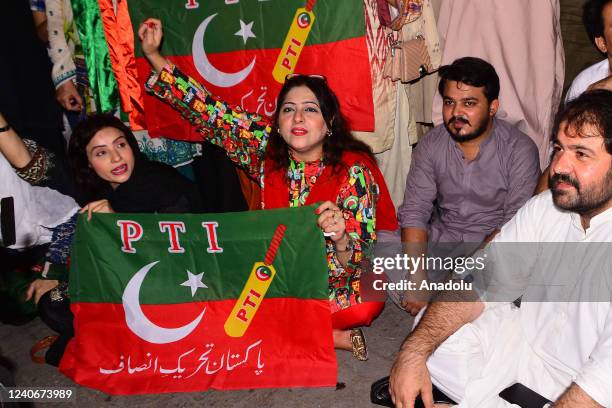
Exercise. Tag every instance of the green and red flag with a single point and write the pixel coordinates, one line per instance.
(241, 51)
(170, 303)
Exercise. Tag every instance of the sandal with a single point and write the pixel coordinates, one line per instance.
(42, 344)
(360, 351)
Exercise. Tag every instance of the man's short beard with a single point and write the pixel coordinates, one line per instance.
(585, 201)
(479, 131)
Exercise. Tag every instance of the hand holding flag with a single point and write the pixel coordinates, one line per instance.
(332, 223)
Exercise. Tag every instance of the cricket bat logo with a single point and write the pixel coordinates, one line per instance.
(294, 42)
(254, 290)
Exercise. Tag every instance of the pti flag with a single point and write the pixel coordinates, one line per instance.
(168, 303)
(241, 51)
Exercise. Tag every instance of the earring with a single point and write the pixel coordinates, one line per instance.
(329, 133)
(278, 130)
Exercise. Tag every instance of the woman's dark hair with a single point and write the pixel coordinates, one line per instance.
(471, 71)
(340, 140)
(590, 108)
(592, 18)
(88, 183)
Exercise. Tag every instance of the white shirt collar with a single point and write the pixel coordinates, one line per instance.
(595, 221)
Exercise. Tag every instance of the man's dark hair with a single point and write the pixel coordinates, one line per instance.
(591, 108)
(471, 71)
(592, 18)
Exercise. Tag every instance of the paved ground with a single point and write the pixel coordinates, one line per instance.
(384, 338)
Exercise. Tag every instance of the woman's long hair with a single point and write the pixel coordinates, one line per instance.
(89, 185)
(340, 140)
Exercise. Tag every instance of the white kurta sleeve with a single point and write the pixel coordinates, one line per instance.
(596, 375)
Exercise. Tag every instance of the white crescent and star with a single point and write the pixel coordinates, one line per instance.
(208, 71)
(141, 325)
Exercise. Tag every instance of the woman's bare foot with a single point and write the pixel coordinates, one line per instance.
(342, 339)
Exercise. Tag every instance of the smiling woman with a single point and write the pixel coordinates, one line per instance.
(301, 121)
(304, 155)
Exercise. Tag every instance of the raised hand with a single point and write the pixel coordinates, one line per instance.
(151, 33)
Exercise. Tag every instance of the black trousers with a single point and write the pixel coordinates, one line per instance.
(56, 315)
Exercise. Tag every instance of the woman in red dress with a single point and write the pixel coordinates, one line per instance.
(304, 155)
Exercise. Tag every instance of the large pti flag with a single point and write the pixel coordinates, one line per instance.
(167, 303)
(241, 50)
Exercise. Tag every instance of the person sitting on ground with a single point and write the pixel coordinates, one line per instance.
(304, 155)
(109, 169)
(469, 176)
(42, 216)
(558, 347)
(597, 19)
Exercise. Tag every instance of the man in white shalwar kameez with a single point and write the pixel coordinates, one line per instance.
(560, 348)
